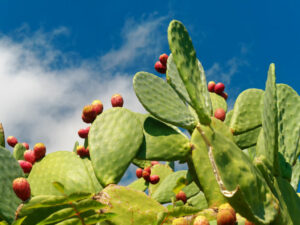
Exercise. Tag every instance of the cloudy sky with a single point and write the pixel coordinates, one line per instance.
(57, 56)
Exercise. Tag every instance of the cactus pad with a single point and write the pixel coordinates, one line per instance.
(162, 142)
(114, 139)
(161, 100)
(217, 102)
(247, 111)
(10, 170)
(162, 171)
(140, 209)
(247, 139)
(64, 167)
(184, 56)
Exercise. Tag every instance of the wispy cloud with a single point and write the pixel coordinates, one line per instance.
(42, 90)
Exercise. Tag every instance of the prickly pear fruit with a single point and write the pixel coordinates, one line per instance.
(39, 150)
(82, 151)
(181, 196)
(201, 220)
(12, 141)
(211, 86)
(29, 156)
(117, 100)
(180, 221)
(224, 95)
(26, 166)
(227, 206)
(88, 114)
(163, 59)
(154, 179)
(97, 106)
(148, 169)
(247, 222)
(139, 172)
(83, 133)
(159, 67)
(22, 188)
(154, 163)
(26, 145)
(225, 217)
(220, 114)
(219, 88)
(146, 175)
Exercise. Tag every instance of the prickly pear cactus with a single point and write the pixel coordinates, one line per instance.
(248, 165)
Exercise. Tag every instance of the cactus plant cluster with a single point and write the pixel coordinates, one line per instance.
(242, 169)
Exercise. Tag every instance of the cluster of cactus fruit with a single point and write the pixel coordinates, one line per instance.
(243, 166)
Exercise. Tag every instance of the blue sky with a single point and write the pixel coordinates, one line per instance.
(61, 55)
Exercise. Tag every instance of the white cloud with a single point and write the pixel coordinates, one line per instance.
(42, 102)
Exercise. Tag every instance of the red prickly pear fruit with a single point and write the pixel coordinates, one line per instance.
(88, 113)
(154, 163)
(180, 221)
(225, 217)
(82, 151)
(29, 156)
(163, 59)
(220, 114)
(154, 179)
(201, 220)
(22, 188)
(117, 100)
(159, 67)
(219, 88)
(86, 119)
(211, 86)
(224, 95)
(227, 206)
(26, 145)
(146, 175)
(97, 106)
(12, 141)
(148, 169)
(139, 172)
(83, 133)
(181, 196)
(247, 222)
(26, 166)
(39, 150)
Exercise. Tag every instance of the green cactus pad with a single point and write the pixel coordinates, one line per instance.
(114, 139)
(239, 180)
(247, 111)
(270, 120)
(2, 136)
(247, 139)
(89, 167)
(217, 102)
(204, 172)
(221, 127)
(288, 103)
(130, 206)
(198, 201)
(141, 163)
(139, 185)
(10, 170)
(18, 152)
(162, 142)
(64, 167)
(250, 152)
(184, 56)
(296, 175)
(161, 100)
(175, 80)
(162, 171)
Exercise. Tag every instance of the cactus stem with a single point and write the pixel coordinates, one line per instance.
(223, 189)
